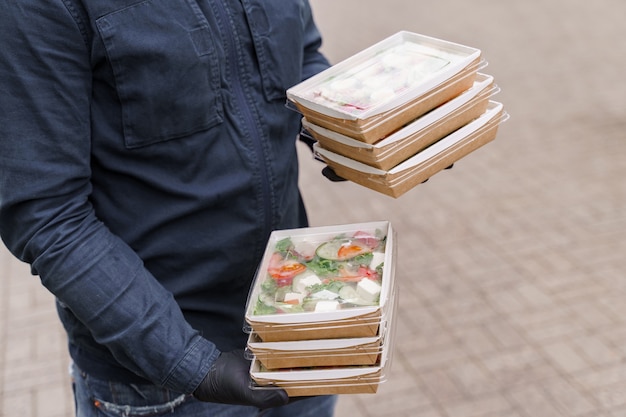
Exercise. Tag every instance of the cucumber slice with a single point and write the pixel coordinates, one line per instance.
(341, 249)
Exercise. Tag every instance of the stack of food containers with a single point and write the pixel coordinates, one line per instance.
(320, 310)
(399, 111)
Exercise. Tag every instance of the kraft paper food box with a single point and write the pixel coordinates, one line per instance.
(387, 85)
(323, 352)
(417, 169)
(413, 137)
(326, 380)
(323, 283)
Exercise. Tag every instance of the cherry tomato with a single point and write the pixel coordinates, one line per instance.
(283, 270)
(349, 251)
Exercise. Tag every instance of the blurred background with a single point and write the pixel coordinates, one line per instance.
(511, 265)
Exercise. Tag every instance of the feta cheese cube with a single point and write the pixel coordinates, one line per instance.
(377, 259)
(302, 282)
(291, 296)
(368, 289)
(321, 306)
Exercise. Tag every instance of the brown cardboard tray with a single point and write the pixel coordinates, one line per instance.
(415, 136)
(273, 319)
(347, 352)
(326, 380)
(323, 352)
(366, 325)
(385, 86)
(417, 169)
(371, 129)
(363, 384)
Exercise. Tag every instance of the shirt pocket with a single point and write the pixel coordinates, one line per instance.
(165, 68)
(277, 28)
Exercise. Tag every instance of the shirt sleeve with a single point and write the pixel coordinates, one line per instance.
(314, 61)
(46, 218)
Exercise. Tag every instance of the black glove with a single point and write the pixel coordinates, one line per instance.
(228, 382)
(309, 140)
(448, 167)
(329, 173)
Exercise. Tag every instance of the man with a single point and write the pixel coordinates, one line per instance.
(146, 155)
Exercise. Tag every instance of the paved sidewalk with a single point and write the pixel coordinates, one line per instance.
(512, 265)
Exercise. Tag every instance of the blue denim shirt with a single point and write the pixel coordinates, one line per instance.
(146, 154)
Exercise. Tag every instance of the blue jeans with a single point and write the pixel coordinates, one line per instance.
(99, 398)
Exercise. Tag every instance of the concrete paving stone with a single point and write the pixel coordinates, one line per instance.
(611, 276)
(473, 378)
(612, 375)
(55, 401)
(440, 386)
(505, 333)
(598, 414)
(618, 412)
(391, 402)
(33, 322)
(551, 330)
(477, 340)
(21, 351)
(493, 278)
(570, 398)
(433, 358)
(596, 351)
(505, 300)
(479, 407)
(614, 303)
(18, 404)
(425, 340)
(414, 320)
(610, 397)
(400, 384)
(534, 317)
(593, 316)
(350, 405)
(34, 375)
(507, 413)
(462, 311)
(518, 367)
(534, 401)
(533, 296)
(430, 288)
(565, 356)
(615, 337)
(571, 285)
(52, 343)
(579, 289)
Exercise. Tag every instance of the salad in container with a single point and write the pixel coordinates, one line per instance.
(360, 366)
(323, 282)
(359, 351)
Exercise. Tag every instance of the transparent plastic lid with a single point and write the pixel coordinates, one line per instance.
(315, 380)
(321, 275)
(493, 110)
(383, 76)
(483, 87)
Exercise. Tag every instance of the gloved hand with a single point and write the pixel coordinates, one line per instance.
(448, 167)
(329, 173)
(228, 382)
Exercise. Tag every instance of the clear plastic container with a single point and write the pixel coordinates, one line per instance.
(415, 136)
(383, 87)
(417, 169)
(362, 351)
(323, 282)
(344, 378)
